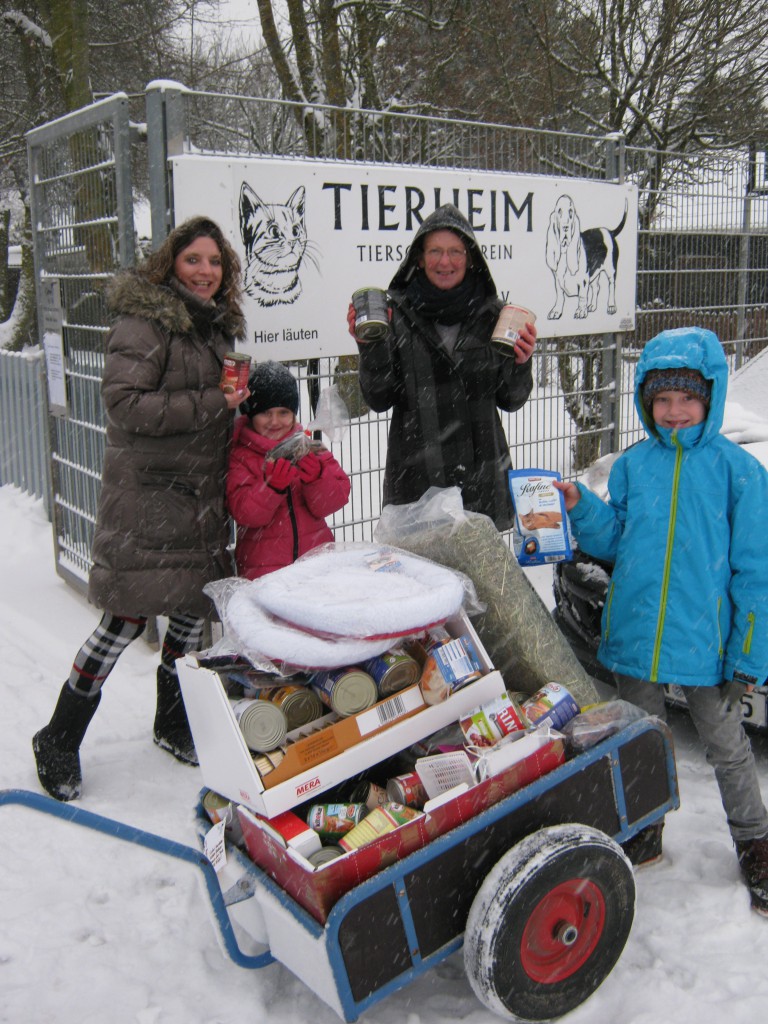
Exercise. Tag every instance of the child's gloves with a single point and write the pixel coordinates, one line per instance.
(731, 691)
(310, 467)
(280, 474)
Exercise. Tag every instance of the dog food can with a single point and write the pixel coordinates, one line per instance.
(378, 823)
(407, 789)
(332, 821)
(324, 855)
(347, 691)
(234, 373)
(262, 724)
(552, 705)
(507, 330)
(371, 314)
(392, 671)
(370, 794)
(299, 704)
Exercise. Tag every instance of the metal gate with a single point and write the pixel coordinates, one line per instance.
(710, 269)
(82, 221)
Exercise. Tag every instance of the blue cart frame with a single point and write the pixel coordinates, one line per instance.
(420, 904)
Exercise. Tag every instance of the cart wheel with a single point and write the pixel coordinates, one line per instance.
(549, 923)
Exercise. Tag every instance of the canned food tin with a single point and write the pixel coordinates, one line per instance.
(299, 704)
(219, 808)
(552, 705)
(236, 367)
(370, 794)
(407, 789)
(371, 314)
(450, 665)
(486, 725)
(324, 854)
(262, 724)
(507, 330)
(347, 691)
(332, 821)
(392, 671)
(378, 823)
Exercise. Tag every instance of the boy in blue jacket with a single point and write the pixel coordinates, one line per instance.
(688, 601)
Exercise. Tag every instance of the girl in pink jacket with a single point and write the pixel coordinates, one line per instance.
(278, 503)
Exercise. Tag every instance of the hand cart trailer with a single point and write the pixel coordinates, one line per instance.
(536, 887)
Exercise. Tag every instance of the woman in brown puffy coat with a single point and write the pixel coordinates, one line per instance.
(162, 530)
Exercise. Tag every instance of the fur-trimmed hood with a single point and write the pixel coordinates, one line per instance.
(172, 306)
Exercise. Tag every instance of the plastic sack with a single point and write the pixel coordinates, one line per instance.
(331, 415)
(294, 447)
(516, 628)
(598, 722)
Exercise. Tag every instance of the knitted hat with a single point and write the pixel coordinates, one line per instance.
(272, 386)
(675, 378)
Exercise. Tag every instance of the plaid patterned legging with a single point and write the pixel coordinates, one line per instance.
(97, 657)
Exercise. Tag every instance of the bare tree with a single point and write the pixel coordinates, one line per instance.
(56, 56)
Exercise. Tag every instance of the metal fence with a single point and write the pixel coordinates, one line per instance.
(24, 449)
(82, 216)
(703, 258)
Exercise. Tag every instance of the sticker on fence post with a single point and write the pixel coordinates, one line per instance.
(50, 304)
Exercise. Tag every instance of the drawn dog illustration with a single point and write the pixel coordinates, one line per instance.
(275, 240)
(579, 258)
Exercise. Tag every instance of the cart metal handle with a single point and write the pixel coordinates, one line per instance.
(131, 834)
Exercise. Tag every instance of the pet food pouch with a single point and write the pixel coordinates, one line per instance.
(542, 531)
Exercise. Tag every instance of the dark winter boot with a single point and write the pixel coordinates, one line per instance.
(172, 731)
(644, 848)
(56, 745)
(753, 861)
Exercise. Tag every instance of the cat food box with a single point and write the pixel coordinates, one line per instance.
(323, 753)
(542, 531)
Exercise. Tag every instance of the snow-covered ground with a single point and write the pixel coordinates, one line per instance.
(93, 929)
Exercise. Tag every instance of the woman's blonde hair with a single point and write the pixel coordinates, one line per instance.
(158, 267)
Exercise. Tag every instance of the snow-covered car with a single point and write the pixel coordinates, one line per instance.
(580, 585)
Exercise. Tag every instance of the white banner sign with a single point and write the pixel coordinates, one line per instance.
(310, 233)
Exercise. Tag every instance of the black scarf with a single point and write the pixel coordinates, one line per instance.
(206, 314)
(449, 306)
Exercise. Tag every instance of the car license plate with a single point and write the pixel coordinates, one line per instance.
(755, 705)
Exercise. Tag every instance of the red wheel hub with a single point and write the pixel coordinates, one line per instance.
(562, 931)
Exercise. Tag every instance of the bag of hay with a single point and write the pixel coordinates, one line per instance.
(516, 628)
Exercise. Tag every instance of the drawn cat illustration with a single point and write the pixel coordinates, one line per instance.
(275, 240)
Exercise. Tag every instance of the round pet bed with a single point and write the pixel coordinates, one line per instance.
(362, 591)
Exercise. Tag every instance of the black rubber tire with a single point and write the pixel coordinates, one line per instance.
(549, 923)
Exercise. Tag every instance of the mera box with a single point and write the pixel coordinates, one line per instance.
(320, 758)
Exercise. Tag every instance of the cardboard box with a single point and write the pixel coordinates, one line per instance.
(317, 889)
(324, 758)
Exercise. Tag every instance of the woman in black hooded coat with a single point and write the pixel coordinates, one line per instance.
(439, 373)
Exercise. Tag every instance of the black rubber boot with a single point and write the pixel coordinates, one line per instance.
(753, 861)
(56, 746)
(172, 731)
